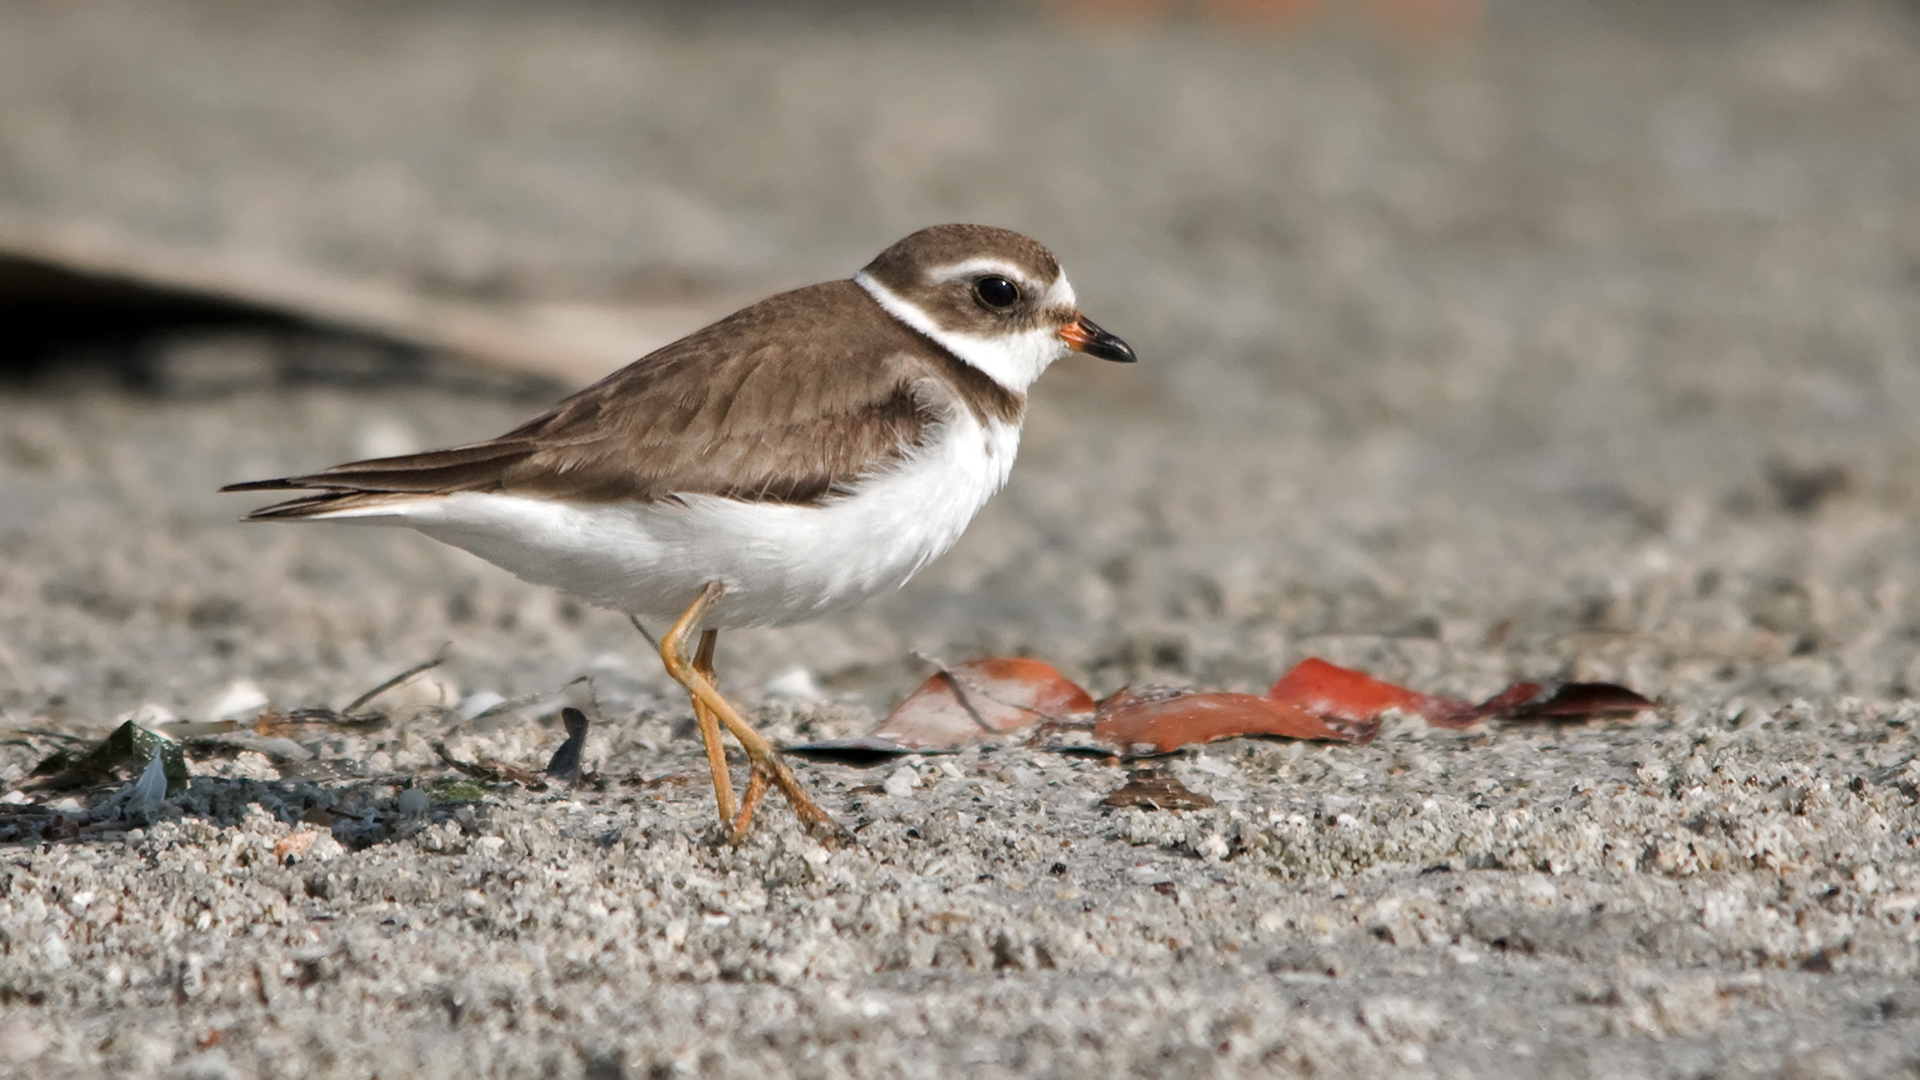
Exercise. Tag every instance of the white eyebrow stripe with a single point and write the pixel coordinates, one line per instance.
(981, 265)
(1059, 293)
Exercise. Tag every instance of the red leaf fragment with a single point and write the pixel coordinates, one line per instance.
(1000, 696)
(1577, 699)
(1158, 722)
(1503, 703)
(1570, 701)
(1339, 693)
(982, 699)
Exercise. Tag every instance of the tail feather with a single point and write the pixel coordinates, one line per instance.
(339, 504)
(478, 467)
(363, 488)
(282, 484)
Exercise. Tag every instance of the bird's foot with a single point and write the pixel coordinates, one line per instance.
(714, 712)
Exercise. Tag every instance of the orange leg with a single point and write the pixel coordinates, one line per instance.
(710, 731)
(756, 789)
(767, 766)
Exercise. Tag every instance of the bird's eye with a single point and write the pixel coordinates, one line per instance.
(996, 292)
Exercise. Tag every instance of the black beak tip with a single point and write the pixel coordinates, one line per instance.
(1117, 351)
(1104, 346)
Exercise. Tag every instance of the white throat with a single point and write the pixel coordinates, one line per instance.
(1012, 360)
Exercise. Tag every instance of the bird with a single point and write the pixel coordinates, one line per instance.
(804, 454)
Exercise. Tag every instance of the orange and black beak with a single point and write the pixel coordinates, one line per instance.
(1085, 336)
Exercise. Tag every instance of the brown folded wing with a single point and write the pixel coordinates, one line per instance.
(792, 400)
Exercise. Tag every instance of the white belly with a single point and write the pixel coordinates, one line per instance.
(780, 564)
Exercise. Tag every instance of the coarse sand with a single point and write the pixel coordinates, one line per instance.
(1588, 348)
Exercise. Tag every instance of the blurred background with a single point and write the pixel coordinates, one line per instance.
(1479, 340)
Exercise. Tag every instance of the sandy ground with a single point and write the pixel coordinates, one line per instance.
(1590, 348)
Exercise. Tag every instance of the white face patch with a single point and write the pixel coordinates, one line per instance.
(1012, 360)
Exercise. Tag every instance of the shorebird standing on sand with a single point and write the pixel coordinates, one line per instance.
(799, 456)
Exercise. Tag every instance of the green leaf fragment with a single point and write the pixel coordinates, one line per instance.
(457, 791)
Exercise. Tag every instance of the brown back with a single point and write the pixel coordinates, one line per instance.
(791, 400)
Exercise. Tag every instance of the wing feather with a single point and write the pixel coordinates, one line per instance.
(793, 400)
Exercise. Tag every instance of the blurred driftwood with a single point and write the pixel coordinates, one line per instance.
(81, 270)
